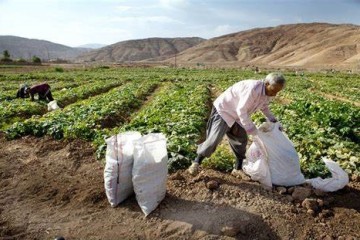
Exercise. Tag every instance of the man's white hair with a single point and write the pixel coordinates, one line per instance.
(275, 79)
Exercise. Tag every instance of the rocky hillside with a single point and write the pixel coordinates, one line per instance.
(311, 45)
(301, 45)
(139, 50)
(25, 48)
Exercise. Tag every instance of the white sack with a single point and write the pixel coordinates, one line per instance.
(272, 158)
(53, 105)
(338, 180)
(283, 160)
(256, 165)
(118, 167)
(150, 171)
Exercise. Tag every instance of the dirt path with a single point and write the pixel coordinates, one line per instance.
(332, 97)
(50, 188)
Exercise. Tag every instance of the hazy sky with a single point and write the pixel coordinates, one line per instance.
(77, 22)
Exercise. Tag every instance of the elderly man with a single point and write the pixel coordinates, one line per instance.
(231, 115)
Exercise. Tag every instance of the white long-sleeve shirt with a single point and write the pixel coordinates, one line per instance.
(238, 102)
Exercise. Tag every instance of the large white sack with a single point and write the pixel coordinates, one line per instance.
(150, 171)
(338, 180)
(283, 160)
(256, 164)
(272, 158)
(118, 167)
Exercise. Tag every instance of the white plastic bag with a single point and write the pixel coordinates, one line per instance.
(272, 159)
(284, 163)
(256, 164)
(338, 180)
(118, 167)
(53, 105)
(150, 171)
(273, 155)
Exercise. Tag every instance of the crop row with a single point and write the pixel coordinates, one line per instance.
(341, 85)
(177, 110)
(10, 94)
(20, 109)
(319, 128)
(81, 119)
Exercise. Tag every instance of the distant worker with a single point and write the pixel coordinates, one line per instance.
(43, 90)
(21, 93)
(231, 115)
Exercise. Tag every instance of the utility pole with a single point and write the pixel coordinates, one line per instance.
(47, 53)
(175, 59)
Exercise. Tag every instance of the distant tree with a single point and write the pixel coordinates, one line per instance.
(6, 56)
(36, 59)
(20, 60)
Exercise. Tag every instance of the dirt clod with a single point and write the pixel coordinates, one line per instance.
(300, 193)
(212, 184)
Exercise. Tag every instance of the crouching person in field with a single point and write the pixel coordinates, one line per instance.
(43, 90)
(21, 93)
(231, 115)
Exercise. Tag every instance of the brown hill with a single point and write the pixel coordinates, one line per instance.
(139, 50)
(26, 48)
(295, 45)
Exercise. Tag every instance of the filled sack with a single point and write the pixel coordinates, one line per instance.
(272, 149)
(150, 171)
(256, 164)
(118, 167)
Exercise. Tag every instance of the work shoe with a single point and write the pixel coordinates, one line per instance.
(194, 168)
(240, 174)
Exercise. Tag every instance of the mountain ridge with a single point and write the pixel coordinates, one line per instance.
(140, 49)
(291, 45)
(302, 45)
(20, 47)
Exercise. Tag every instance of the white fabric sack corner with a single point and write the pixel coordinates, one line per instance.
(118, 167)
(339, 178)
(150, 171)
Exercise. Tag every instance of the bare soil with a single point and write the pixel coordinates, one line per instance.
(332, 97)
(54, 188)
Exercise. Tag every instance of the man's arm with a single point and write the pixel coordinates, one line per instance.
(18, 94)
(242, 112)
(269, 115)
(31, 95)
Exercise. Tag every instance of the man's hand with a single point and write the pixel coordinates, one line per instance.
(274, 120)
(280, 126)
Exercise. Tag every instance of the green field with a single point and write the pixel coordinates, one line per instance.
(320, 112)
